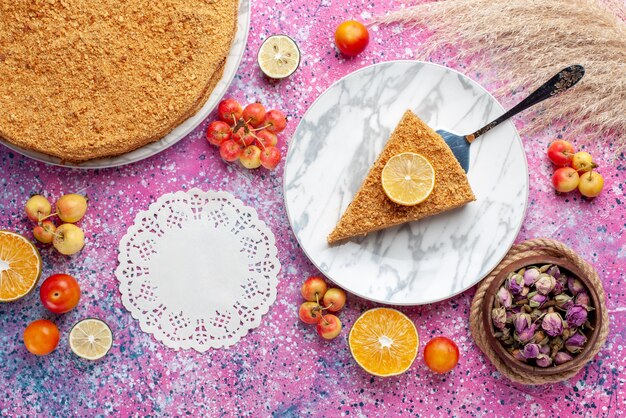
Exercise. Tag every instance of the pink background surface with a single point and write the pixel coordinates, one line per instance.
(283, 368)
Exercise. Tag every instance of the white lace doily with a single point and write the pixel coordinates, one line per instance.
(198, 269)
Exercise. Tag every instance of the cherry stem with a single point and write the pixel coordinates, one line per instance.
(262, 127)
(46, 217)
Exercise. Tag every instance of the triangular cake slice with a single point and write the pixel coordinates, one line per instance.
(371, 209)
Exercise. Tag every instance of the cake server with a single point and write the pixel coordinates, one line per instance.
(562, 81)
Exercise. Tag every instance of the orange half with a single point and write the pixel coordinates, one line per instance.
(384, 342)
(20, 266)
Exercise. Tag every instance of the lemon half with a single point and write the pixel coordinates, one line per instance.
(279, 56)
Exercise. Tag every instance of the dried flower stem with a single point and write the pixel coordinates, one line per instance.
(526, 41)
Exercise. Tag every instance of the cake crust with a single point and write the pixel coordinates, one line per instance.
(371, 209)
(94, 79)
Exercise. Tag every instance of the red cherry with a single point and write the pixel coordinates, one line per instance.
(229, 110)
(270, 157)
(218, 132)
(267, 138)
(230, 150)
(275, 121)
(254, 114)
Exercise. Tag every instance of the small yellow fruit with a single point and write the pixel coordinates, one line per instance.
(591, 184)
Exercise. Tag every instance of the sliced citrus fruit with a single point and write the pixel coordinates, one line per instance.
(408, 178)
(384, 342)
(278, 56)
(91, 339)
(20, 266)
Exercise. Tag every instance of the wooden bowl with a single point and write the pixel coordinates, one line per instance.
(594, 317)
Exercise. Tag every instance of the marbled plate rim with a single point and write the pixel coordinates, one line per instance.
(516, 229)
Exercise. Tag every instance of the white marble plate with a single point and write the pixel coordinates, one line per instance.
(338, 140)
(232, 64)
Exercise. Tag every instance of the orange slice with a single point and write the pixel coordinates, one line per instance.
(20, 266)
(408, 178)
(384, 342)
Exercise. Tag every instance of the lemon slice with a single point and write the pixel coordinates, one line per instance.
(20, 266)
(408, 179)
(384, 342)
(279, 56)
(91, 339)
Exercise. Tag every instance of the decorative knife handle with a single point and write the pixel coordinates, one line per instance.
(562, 81)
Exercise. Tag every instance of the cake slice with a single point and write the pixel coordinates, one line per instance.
(371, 209)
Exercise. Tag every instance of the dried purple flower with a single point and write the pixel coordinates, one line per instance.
(559, 287)
(543, 360)
(552, 324)
(498, 317)
(530, 351)
(527, 335)
(535, 299)
(582, 299)
(544, 349)
(554, 271)
(576, 343)
(530, 276)
(576, 315)
(504, 298)
(522, 322)
(562, 357)
(575, 286)
(515, 284)
(545, 284)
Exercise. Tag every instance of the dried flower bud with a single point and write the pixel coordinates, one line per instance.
(518, 355)
(552, 324)
(531, 276)
(525, 291)
(545, 284)
(530, 351)
(575, 286)
(504, 298)
(559, 287)
(562, 357)
(515, 284)
(544, 348)
(563, 301)
(582, 299)
(576, 343)
(522, 322)
(554, 271)
(556, 344)
(576, 315)
(543, 360)
(498, 317)
(540, 338)
(536, 300)
(527, 335)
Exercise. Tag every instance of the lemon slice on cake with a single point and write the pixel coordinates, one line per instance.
(279, 56)
(408, 178)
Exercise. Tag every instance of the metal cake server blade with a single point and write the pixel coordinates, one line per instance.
(563, 80)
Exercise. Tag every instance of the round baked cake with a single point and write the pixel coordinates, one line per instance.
(98, 78)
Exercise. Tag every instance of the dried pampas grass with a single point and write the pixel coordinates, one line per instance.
(527, 41)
